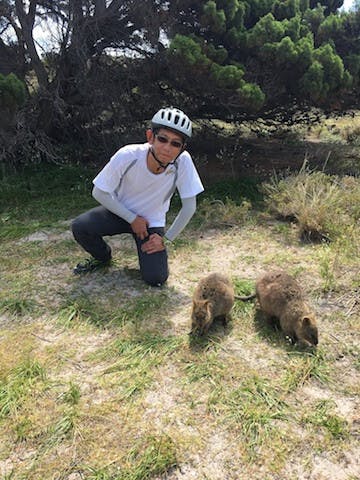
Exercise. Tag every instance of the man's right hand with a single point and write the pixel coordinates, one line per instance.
(139, 227)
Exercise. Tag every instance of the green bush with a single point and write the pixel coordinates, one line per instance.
(12, 97)
(12, 91)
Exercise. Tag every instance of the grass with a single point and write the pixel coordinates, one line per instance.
(322, 205)
(322, 416)
(99, 378)
(28, 203)
(18, 384)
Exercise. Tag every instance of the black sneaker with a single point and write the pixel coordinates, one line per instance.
(89, 265)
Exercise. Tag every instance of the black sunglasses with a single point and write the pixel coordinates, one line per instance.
(173, 143)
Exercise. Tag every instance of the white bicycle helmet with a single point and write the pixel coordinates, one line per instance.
(174, 119)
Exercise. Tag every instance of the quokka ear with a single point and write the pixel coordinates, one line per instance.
(306, 321)
(202, 303)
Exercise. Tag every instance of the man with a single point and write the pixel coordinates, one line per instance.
(134, 191)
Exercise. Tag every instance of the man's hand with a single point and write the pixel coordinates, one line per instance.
(154, 244)
(139, 227)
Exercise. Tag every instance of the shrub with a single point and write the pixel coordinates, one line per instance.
(12, 96)
(321, 204)
(12, 91)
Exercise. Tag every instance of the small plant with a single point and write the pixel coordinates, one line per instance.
(243, 287)
(209, 368)
(322, 416)
(82, 310)
(150, 457)
(154, 455)
(72, 395)
(351, 132)
(63, 428)
(22, 428)
(251, 409)
(137, 360)
(327, 266)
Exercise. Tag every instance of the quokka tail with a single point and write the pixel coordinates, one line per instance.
(245, 298)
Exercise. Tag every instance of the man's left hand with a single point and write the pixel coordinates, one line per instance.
(154, 244)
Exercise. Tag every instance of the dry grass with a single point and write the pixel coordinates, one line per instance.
(99, 378)
(323, 206)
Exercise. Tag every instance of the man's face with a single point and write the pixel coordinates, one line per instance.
(166, 144)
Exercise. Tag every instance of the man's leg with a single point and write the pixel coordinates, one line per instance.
(89, 228)
(153, 266)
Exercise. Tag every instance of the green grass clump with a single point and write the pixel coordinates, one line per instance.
(18, 384)
(302, 368)
(17, 306)
(136, 360)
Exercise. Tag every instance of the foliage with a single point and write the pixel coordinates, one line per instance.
(293, 42)
(12, 97)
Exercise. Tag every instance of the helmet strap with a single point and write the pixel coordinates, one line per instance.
(161, 164)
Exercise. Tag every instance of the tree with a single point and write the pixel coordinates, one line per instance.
(275, 48)
(112, 63)
(86, 30)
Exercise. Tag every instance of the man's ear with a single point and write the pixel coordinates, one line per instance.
(150, 136)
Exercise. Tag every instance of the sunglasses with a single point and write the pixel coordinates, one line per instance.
(173, 143)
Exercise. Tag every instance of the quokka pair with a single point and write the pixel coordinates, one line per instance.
(280, 298)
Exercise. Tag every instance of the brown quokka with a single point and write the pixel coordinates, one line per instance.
(213, 298)
(281, 296)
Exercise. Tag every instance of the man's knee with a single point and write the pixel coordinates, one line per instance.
(75, 225)
(78, 226)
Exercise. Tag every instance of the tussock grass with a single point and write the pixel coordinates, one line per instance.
(18, 384)
(17, 306)
(99, 378)
(137, 360)
(323, 206)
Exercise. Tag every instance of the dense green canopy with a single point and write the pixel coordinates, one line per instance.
(259, 51)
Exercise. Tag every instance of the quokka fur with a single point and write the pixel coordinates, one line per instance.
(281, 298)
(213, 298)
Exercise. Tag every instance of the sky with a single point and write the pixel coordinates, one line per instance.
(347, 4)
